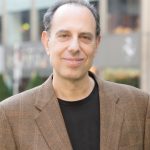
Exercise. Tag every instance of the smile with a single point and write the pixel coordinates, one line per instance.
(73, 62)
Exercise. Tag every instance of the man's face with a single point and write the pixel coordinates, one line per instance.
(72, 42)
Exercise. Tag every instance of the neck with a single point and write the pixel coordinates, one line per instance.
(71, 90)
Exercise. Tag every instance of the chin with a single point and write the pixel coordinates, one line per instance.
(74, 75)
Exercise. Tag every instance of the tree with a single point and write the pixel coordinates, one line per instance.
(5, 92)
(35, 81)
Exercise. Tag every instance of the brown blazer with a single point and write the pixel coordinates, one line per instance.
(32, 120)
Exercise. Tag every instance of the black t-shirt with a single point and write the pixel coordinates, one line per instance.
(82, 119)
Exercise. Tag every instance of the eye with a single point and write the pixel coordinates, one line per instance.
(86, 38)
(63, 36)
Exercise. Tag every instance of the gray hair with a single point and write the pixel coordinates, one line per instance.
(51, 11)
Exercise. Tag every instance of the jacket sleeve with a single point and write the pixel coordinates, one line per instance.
(6, 136)
(147, 127)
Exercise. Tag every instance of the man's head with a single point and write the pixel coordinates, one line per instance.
(51, 11)
(71, 38)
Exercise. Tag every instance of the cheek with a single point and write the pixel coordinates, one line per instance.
(57, 48)
(94, 50)
(91, 53)
(55, 56)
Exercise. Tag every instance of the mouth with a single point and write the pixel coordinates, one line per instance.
(73, 62)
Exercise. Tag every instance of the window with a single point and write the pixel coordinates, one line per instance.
(18, 27)
(41, 14)
(25, 25)
(123, 16)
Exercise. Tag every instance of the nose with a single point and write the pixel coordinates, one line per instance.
(74, 46)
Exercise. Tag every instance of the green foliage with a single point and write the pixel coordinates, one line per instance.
(5, 92)
(34, 81)
(128, 76)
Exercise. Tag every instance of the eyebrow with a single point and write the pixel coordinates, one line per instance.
(86, 33)
(82, 33)
(61, 31)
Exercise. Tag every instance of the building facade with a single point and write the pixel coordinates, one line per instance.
(20, 30)
(21, 27)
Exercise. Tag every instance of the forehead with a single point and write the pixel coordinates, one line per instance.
(74, 14)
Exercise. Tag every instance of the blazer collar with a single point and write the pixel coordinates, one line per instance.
(50, 120)
(111, 116)
(51, 123)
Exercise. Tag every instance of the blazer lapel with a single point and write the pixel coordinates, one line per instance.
(50, 120)
(51, 124)
(111, 117)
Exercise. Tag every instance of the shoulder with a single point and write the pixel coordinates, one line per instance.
(120, 90)
(20, 100)
(27, 101)
(133, 101)
(128, 96)
(125, 90)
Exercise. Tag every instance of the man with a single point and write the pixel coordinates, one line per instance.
(73, 109)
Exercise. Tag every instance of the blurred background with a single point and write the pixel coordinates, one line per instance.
(123, 55)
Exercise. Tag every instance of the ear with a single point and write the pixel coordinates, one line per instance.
(45, 39)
